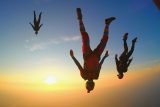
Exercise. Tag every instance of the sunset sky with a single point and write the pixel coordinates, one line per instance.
(38, 71)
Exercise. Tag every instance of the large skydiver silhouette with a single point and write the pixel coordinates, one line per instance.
(124, 60)
(36, 27)
(92, 58)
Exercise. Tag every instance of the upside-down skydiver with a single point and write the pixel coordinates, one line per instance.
(92, 58)
(124, 60)
(36, 23)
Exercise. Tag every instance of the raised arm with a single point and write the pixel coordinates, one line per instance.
(40, 26)
(76, 61)
(105, 56)
(32, 26)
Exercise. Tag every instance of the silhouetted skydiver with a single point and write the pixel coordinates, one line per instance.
(92, 62)
(124, 60)
(36, 23)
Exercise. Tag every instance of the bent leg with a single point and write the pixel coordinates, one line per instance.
(125, 37)
(132, 47)
(39, 18)
(100, 48)
(125, 46)
(34, 17)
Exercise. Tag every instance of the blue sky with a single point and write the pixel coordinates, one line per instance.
(20, 47)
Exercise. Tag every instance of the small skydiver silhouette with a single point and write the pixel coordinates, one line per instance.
(92, 62)
(124, 60)
(36, 23)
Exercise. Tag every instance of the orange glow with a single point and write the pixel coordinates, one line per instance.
(34, 92)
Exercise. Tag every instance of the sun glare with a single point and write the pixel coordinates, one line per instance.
(50, 80)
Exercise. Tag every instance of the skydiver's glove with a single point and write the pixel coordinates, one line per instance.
(106, 54)
(71, 53)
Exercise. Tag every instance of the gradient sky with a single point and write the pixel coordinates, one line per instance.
(26, 60)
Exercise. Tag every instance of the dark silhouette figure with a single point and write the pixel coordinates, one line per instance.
(36, 23)
(157, 3)
(124, 60)
(92, 62)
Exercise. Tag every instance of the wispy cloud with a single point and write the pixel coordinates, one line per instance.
(44, 45)
(26, 41)
(67, 39)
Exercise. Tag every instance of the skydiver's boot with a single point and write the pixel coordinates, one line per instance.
(79, 14)
(125, 37)
(134, 40)
(109, 20)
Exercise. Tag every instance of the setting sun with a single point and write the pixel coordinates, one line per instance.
(50, 80)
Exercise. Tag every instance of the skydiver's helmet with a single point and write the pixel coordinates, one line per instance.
(120, 76)
(90, 85)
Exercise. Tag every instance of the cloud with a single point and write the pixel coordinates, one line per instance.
(27, 41)
(44, 45)
(67, 39)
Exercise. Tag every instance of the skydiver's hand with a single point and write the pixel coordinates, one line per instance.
(106, 54)
(71, 53)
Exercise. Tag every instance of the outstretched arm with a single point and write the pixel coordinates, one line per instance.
(40, 26)
(76, 61)
(31, 25)
(105, 56)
